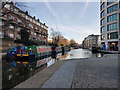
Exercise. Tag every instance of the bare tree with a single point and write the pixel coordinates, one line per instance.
(55, 36)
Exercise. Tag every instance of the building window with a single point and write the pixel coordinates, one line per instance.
(111, 1)
(35, 27)
(112, 8)
(18, 28)
(7, 6)
(102, 6)
(11, 26)
(113, 26)
(15, 11)
(30, 25)
(35, 34)
(103, 21)
(11, 35)
(103, 29)
(113, 35)
(1, 34)
(102, 37)
(10, 17)
(102, 14)
(32, 33)
(23, 15)
(112, 17)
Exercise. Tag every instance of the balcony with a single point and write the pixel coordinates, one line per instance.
(4, 18)
(12, 21)
(11, 27)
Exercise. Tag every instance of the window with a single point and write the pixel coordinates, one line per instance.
(35, 34)
(23, 15)
(11, 26)
(27, 17)
(11, 35)
(112, 8)
(102, 37)
(19, 21)
(18, 28)
(1, 34)
(102, 6)
(7, 6)
(102, 29)
(16, 11)
(102, 14)
(30, 25)
(31, 32)
(113, 35)
(111, 1)
(35, 27)
(112, 17)
(103, 21)
(10, 17)
(1, 23)
(113, 26)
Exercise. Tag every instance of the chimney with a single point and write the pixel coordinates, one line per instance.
(38, 20)
(26, 12)
(34, 17)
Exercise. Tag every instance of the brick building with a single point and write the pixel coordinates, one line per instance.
(14, 20)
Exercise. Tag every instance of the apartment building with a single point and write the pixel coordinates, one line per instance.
(91, 41)
(110, 23)
(14, 20)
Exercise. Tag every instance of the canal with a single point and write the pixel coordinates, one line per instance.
(14, 74)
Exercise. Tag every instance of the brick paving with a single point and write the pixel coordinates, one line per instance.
(96, 74)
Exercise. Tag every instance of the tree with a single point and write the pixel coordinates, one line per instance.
(72, 43)
(55, 36)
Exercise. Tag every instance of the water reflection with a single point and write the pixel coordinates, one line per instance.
(13, 73)
(82, 53)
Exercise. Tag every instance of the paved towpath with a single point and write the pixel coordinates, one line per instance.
(77, 73)
(62, 77)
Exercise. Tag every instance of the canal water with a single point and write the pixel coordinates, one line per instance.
(14, 74)
(82, 53)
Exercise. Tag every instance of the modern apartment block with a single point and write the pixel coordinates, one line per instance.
(110, 23)
(14, 20)
(91, 41)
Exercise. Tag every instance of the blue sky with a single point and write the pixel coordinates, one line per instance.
(75, 20)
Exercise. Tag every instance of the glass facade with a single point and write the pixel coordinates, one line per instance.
(112, 8)
(111, 1)
(113, 35)
(102, 14)
(102, 29)
(103, 21)
(112, 17)
(102, 6)
(102, 37)
(113, 26)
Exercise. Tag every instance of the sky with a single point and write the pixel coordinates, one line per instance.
(75, 20)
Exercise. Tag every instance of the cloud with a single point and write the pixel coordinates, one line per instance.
(51, 10)
(76, 32)
(84, 9)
